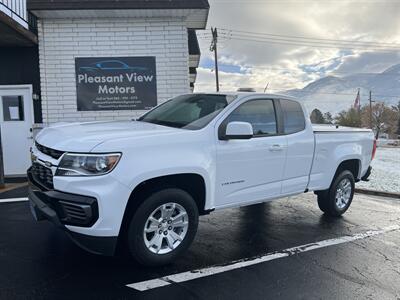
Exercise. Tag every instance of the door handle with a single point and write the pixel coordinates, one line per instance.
(276, 147)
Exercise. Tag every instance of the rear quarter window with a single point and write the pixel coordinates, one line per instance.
(293, 116)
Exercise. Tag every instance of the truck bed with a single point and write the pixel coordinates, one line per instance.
(334, 145)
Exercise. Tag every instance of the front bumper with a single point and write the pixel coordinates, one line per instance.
(65, 209)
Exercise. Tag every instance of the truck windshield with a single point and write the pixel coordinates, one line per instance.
(187, 111)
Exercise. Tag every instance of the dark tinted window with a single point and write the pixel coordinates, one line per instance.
(187, 111)
(293, 116)
(259, 113)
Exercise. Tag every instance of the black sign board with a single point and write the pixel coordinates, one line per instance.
(115, 83)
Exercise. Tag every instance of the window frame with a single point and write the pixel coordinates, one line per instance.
(278, 119)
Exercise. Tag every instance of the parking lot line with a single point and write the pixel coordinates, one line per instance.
(13, 200)
(208, 271)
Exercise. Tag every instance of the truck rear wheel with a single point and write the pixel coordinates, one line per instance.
(336, 201)
(163, 227)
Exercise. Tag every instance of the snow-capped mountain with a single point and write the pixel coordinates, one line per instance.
(334, 94)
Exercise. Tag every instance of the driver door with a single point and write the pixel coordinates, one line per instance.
(251, 170)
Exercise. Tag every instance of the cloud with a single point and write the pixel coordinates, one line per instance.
(373, 62)
(253, 64)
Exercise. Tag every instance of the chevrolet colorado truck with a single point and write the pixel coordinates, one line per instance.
(142, 184)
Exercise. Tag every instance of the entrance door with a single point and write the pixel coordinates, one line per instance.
(16, 119)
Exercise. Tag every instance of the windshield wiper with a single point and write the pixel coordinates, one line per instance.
(163, 123)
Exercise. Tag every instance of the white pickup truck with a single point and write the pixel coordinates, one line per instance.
(142, 184)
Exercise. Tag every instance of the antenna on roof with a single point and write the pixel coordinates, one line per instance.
(266, 87)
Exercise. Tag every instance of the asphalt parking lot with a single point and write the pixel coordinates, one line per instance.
(284, 249)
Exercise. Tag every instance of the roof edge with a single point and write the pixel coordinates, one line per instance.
(113, 4)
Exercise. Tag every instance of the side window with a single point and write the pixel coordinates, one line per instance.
(293, 116)
(259, 113)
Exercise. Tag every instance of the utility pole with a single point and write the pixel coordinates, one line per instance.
(213, 47)
(1, 164)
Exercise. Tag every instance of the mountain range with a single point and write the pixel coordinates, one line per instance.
(333, 93)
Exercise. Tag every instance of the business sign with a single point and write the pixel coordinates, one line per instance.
(115, 83)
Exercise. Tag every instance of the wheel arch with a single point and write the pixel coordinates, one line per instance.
(193, 183)
(352, 164)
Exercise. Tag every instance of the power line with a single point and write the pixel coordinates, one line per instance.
(296, 37)
(326, 45)
(311, 45)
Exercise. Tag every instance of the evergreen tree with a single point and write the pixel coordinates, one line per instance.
(317, 117)
(351, 118)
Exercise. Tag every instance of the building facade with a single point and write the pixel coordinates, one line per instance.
(96, 60)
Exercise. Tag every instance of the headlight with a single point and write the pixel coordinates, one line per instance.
(87, 164)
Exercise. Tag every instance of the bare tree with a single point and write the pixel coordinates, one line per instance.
(396, 109)
(384, 119)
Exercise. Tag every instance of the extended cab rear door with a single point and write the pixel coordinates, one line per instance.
(300, 142)
(251, 170)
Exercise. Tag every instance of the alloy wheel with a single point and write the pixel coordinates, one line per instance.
(165, 228)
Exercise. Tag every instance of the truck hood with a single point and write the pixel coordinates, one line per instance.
(83, 137)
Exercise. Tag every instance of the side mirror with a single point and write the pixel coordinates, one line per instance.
(238, 131)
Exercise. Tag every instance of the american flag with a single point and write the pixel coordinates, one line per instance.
(357, 102)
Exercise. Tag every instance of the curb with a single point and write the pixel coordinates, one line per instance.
(378, 193)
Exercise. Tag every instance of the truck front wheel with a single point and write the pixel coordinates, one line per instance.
(337, 199)
(163, 227)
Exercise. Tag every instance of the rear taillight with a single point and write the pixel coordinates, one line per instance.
(373, 150)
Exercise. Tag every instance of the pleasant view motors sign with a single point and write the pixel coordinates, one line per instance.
(116, 83)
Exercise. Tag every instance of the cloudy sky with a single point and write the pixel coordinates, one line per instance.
(284, 58)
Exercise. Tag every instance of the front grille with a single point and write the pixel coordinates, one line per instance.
(56, 154)
(42, 175)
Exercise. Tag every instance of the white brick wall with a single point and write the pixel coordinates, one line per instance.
(60, 41)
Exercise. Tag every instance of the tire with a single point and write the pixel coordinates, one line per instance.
(337, 200)
(168, 208)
